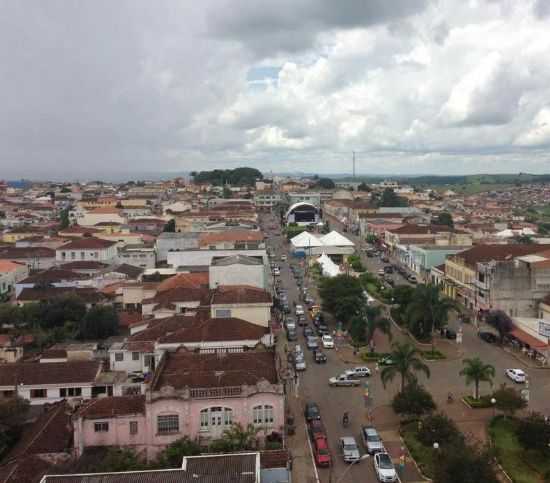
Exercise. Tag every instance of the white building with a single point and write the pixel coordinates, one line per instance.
(87, 249)
(238, 270)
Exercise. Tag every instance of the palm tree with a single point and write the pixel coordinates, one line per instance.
(428, 310)
(405, 362)
(374, 320)
(476, 371)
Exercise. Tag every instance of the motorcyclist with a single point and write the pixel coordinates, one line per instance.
(450, 397)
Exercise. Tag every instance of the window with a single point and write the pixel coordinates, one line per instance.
(215, 416)
(262, 414)
(135, 356)
(73, 255)
(39, 393)
(82, 255)
(63, 254)
(119, 356)
(169, 423)
(223, 313)
(133, 427)
(101, 427)
(70, 392)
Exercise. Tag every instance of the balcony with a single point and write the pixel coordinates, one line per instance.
(216, 392)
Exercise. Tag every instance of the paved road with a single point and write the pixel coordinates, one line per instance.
(445, 378)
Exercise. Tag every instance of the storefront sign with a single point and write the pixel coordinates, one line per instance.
(544, 328)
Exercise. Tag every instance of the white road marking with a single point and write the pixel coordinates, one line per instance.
(312, 457)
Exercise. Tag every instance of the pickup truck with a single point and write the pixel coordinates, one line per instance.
(343, 380)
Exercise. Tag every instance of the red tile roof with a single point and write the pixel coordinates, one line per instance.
(113, 406)
(35, 373)
(187, 280)
(217, 330)
(160, 327)
(180, 294)
(87, 243)
(230, 236)
(497, 252)
(186, 369)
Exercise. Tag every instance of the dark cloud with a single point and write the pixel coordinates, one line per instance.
(268, 28)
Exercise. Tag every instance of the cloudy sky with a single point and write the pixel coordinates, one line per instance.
(94, 88)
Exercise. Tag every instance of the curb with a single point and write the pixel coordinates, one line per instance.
(403, 443)
(522, 361)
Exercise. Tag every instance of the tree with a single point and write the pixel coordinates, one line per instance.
(173, 455)
(413, 400)
(227, 193)
(460, 463)
(342, 296)
(326, 183)
(364, 187)
(406, 361)
(59, 310)
(501, 322)
(509, 400)
(439, 428)
(390, 199)
(120, 459)
(476, 371)
(402, 295)
(444, 218)
(428, 311)
(533, 432)
(374, 320)
(236, 438)
(64, 221)
(523, 239)
(99, 323)
(170, 226)
(13, 412)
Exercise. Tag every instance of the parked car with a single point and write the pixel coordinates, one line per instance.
(299, 310)
(349, 449)
(299, 362)
(312, 343)
(321, 451)
(386, 361)
(448, 333)
(311, 411)
(343, 380)
(517, 375)
(488, 337)
(412, 279)
(322, 329)
(384, 468)
(290, 323)
(388, 269)
(302, 320)
(319, 357)
(316, 428)
(308, 331)
(291, 335)
(371, 440)
(283, 258)
(327, 341)
(360, 371)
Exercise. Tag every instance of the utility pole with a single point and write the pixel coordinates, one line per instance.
(353, 165)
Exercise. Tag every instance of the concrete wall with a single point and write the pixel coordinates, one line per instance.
(204, 257)
(105, 255)
(255, 314)
(238, 274)
(175, 241)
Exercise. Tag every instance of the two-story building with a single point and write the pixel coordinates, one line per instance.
(87, 249)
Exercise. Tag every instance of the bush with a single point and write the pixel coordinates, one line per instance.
(481, 403)
(173, 455)
(438, 428)
(509, 400)
(534, 433)
(100, 322)
(373, 356)
(414, 400)
(433, 355)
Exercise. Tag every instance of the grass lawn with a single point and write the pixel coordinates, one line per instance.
(522, 466)
(434, 355)
(423, 455)
(481, 403)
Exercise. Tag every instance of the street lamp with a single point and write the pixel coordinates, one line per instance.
(364, 457)
(493, 403)
(436, 445)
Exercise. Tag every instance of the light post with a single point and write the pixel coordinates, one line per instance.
(493, 403)
(364, 457)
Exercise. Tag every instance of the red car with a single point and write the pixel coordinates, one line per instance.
(316, 429)
(321, 451)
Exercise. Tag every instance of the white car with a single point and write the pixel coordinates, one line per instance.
(517, 375)
(299, 310)
(283, 258)
(358, 372)
(327, 341)
(384, 468)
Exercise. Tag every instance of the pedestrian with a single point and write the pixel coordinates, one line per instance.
(295, 378)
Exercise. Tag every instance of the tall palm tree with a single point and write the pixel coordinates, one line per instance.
(405, 362)
(476, 371)
(428, 310)
(374, 320)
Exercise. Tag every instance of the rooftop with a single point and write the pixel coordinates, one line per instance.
(87, 243)
(36, 373)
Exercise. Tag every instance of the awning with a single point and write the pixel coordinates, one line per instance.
(531, 341)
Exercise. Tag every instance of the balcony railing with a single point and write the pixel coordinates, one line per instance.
(216, 392)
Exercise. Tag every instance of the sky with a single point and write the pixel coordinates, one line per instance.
(102, 87)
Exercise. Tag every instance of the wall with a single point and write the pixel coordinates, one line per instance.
(175, 241)
(105, 255)
(238, 274)
(52, 393)
(204, 257)
(255, 314)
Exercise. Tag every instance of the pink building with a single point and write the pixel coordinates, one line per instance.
(191, 394)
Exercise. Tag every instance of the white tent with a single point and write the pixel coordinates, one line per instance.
(511, 233)
(328, 267)
(335, 239)
(305, 240)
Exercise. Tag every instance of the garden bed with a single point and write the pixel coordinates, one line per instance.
(523, 466)
(372, 356)
(433, 355)
(482, 403)
(422, 455)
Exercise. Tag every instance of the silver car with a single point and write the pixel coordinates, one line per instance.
(371, 440)
(349, 449)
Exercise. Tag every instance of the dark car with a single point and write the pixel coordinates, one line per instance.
(319, 357)
(388, 269)
(291, 335)
(311, 411)
(322, 328)
(488, 337)
(308, 331)
(448, 333)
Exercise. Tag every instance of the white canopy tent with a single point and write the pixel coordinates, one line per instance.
(335, 239)
(305, 240)
(328, 267)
